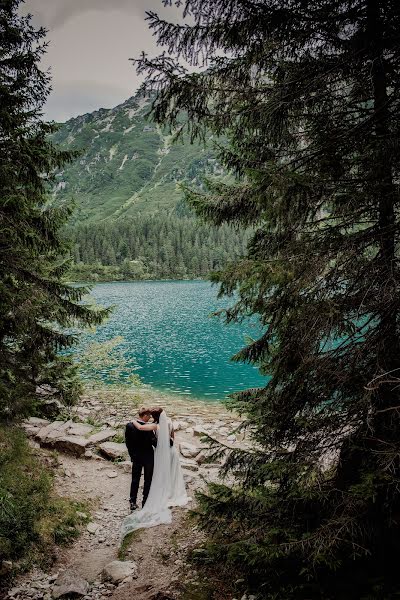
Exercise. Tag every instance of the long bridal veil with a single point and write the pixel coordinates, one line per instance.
(156, 510)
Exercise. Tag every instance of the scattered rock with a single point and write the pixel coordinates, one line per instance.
(15, 591)
(113, 450)
(88, 454)
(102, 436)
(201, 458)
(188, 477)
(81, 515)
(231, 438)
(126, 466)
(189, 465)
(112, 474)
(93, 527)
(36, 422)
(5, 567)
(117, 571)
(188, 450)
(70, 584)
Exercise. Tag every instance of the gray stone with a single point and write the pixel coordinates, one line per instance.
(112, 474)
(231, 438)
(15, 591)
(199, 431)
(101, 436)
(188, 477)
(117, 571)
(223, 431)
(71, 444)
(189, 465)
(201, 458)
(126, 465)
(188, 450)
(70, 584)
(80, 429)
(44, 431)
(36, 422)
(49, 431)
(92, 527)
(113, 450)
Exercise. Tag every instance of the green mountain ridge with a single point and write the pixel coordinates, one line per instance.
(128, 165)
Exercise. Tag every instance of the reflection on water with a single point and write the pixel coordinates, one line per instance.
(171, 338)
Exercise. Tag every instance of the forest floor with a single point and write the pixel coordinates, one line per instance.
(162, 568)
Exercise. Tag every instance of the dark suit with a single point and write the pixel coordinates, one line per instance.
(140, 447)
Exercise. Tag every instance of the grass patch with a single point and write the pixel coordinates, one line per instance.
(126, 543)
(32, 519)
(119, 438)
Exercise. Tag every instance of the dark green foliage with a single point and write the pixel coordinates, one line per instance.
(35, 306)
(31, 519)
(308, 95)
(152, 248)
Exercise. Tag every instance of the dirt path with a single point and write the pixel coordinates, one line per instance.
(159, 553)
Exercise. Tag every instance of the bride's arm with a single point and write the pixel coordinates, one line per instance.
(146, 427)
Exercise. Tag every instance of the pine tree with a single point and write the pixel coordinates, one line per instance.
(307, 94)
(37, 310)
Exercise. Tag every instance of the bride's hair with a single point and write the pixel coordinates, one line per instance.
(155, 413)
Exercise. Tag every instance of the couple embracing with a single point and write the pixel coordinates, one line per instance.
(151, 448)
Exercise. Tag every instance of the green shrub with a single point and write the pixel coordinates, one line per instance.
(31, 517)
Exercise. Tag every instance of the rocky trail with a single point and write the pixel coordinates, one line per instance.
(91, 466)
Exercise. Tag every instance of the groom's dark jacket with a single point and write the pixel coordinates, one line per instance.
(139, 443)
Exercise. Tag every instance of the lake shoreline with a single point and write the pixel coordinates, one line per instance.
(99, 281)
(147, 395)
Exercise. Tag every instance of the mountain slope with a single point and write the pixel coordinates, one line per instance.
(128, 165)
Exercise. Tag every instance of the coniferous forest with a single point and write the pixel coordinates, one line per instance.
(298, 220)
(152, 247)
(308, 95)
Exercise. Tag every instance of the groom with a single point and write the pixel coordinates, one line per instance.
(140, 447)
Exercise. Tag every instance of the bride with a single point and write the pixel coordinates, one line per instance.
(167, 485)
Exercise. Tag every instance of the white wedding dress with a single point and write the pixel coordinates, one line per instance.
(167, 485)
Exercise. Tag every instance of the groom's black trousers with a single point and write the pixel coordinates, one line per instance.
(139, 464)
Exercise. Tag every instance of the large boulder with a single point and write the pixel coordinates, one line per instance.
(72, 444)
(118, 570)
(80, 429)
(70, 585)
(189, 450)
(56, 426)
(114, 451)
(102, 436)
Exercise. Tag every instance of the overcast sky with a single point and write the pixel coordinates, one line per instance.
(90, 43)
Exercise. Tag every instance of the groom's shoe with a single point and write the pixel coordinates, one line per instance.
(133, 505)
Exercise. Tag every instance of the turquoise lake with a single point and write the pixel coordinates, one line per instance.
(171, 339)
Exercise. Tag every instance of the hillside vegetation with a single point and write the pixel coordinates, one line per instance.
(128, 165)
